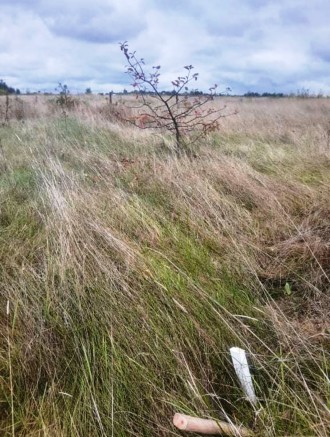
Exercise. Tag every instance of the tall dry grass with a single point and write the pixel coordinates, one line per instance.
(127, 273)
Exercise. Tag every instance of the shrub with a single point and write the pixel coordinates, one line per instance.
(187, 118)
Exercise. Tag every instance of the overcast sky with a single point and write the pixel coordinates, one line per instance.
(256, 45)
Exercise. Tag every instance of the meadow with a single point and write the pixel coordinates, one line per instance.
(127, 272)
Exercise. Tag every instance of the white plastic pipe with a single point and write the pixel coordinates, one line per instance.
(242, 370)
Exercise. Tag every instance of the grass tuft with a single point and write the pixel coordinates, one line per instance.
(129, 273)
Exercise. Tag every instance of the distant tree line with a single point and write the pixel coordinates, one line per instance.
(274, 95)
(193, 93)
(5, 89)
(302, 93)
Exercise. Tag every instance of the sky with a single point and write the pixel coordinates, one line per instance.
(247, 45)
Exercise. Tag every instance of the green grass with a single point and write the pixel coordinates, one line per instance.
(130, 273)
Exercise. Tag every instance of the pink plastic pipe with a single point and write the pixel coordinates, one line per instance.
(207, 426)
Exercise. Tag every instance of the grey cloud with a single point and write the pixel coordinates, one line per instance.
(321, 51)
(22, 3)
(294, 16)
(324, 54)
(257, 45)
(99, 22)
(266, 83)
(93, 33)
(257, 35)
(97, 25)
(229, 29)
(258, 3)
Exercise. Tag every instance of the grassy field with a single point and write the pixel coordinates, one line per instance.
(127, 273)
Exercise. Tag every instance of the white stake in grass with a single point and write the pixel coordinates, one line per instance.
(242, 370)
